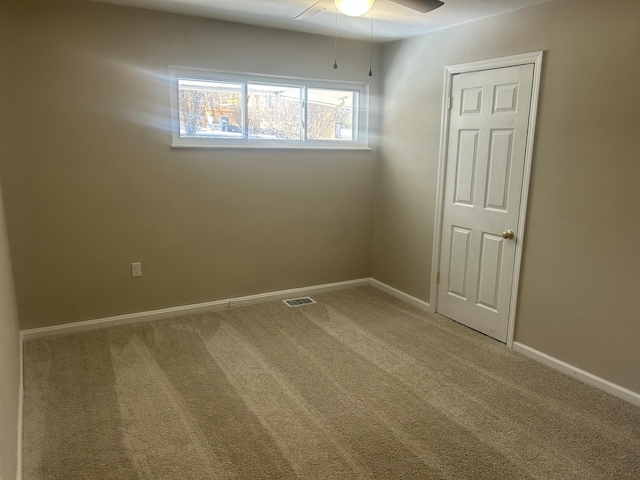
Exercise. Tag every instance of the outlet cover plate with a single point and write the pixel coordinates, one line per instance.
(136, 269)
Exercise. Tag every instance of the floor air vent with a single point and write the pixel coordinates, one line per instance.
(297, 302)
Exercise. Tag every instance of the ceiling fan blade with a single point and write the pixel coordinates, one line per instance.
(314, 9)
(423, 6)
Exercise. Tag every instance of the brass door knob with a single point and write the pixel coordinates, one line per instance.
(508, 234)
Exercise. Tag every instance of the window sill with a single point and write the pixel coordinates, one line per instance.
(274, 147)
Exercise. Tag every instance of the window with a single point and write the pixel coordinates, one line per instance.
(222, 109)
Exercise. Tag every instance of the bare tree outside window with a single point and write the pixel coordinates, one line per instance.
(192, 103)
(210, 109)
(330, 114)
(274, 112)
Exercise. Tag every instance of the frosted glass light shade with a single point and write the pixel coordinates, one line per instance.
(354, 8)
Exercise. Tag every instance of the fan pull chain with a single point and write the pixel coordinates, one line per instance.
(335, 53)
(371, 44)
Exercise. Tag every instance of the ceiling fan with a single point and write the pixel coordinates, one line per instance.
(422, 6)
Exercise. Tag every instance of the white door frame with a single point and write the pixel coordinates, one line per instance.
(534, 58)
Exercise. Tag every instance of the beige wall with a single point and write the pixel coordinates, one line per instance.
(580, 276)
(9, 330)
(92, 184)
(9, 360)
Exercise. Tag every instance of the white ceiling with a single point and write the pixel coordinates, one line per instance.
(391, 21)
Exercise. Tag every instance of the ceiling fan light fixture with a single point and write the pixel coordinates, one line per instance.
(354, 8)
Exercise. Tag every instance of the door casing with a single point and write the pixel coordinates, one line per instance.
(534, 58)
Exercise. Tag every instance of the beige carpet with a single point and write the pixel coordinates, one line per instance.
(359, 385)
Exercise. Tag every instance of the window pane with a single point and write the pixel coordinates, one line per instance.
(274, 112)
(210, 109)
(329, 114)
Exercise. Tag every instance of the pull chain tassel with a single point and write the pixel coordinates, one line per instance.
(335, 46)
(371, 45)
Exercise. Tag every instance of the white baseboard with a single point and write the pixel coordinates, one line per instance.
(593, 380)
(401, 295)
(129, 318)
(284, 294)
(20, 410)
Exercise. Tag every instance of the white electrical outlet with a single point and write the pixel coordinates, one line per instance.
(136, 269)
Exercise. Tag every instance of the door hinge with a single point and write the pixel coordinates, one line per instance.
(438, 278)
(449, 101)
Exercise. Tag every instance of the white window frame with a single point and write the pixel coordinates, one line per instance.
(360, 112)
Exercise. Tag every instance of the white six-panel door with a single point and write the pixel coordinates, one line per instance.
(487, 138)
